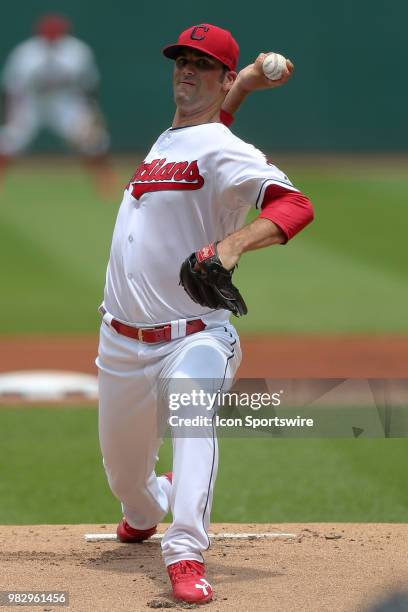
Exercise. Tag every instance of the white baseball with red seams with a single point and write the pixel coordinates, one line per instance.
(273, 66)
(195, 186)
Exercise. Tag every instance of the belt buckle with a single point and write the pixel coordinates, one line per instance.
(141, 330)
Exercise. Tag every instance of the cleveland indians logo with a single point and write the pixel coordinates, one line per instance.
(158, 175)
(195, 35)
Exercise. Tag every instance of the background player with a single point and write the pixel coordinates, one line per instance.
(194, 187)
(51, 81)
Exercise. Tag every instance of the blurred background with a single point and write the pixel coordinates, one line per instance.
(339, 129)
(349, 93)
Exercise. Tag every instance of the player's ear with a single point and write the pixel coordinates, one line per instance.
(228, 81)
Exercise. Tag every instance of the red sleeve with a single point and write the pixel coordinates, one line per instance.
(291, 211)
(226, 118)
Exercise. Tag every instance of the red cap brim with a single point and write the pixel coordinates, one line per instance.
(171, 51)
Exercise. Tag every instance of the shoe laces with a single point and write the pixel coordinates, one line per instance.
(185, 569)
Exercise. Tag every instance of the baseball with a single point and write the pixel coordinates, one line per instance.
(273, 66)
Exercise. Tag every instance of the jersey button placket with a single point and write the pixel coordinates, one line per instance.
(130, 238)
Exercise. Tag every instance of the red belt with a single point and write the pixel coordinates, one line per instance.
(151, 335)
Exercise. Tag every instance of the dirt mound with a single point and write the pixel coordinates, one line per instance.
(325, 567)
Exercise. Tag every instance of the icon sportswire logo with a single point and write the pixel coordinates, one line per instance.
(161, 175)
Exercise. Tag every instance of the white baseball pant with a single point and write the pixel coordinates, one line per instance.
(129, 407)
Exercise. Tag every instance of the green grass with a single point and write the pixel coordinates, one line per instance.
(55, 237)
(51, 472)
(345, 274)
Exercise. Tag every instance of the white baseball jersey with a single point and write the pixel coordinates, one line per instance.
(41, 68)
(195, 186)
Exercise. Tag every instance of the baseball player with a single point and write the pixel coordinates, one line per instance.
(51, 80)
(169, 294)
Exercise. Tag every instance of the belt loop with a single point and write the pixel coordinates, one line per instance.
(107, 318)
(178, 328)
(174, 329)
(182, 328)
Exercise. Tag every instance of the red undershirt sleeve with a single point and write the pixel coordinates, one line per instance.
(291, 211)
(226, 118)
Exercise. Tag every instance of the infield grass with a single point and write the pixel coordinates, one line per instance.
(345, 274)
(51, 472)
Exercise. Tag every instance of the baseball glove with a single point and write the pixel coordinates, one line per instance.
(208, 283)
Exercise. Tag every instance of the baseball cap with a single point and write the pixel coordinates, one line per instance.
(52, 26)
(209, 39)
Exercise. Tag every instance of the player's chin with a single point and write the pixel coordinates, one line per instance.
(183, 96)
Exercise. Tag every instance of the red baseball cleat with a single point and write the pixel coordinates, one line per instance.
(129, 534)
(189, 582)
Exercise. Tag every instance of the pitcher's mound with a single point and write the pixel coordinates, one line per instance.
(321, 567)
